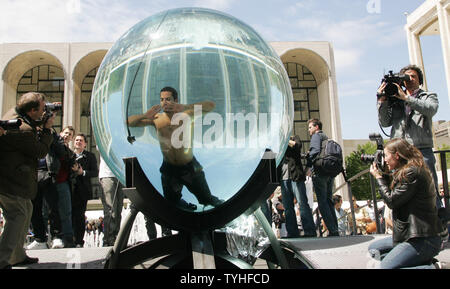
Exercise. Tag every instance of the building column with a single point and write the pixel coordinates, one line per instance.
(443, 18)
(415, 52)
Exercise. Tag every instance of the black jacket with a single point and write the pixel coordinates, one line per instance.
(413, 204)
(82, 188)
(292, 158)
(58, 151)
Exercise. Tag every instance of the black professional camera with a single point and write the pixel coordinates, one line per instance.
(391, 89)
(378, 157)
(49, 109)
(11, 124)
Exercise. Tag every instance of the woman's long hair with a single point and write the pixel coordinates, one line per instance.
(409, 155)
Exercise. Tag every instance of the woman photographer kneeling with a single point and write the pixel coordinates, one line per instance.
(409, 191)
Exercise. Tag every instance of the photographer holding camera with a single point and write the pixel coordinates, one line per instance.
(410, 113)
(21, 150)
(409, 191)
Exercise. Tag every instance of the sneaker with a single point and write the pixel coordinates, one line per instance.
(57, 244)
(37, 245)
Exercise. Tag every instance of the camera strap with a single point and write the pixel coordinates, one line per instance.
(25, 118)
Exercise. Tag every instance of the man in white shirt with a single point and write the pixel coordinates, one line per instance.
(112, 200)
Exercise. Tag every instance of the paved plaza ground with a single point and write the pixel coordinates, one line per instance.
(324, 253)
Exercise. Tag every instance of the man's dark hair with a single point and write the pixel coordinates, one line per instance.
(30, 100)
(83, 135)
(315, 122)
(416, 69)
(336, 199)
(172, 90)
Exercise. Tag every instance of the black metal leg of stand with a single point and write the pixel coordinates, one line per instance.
(202, 250)
(275, 244)
(122, 238)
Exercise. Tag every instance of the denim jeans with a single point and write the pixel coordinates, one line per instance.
(415, 253)
(46, 192)
(323, 186)
(287, 197)
(430, 160)
(305, 211)
(65, 210)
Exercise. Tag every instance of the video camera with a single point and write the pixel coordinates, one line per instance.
(378, 157)
(12, 124)
(391, 89)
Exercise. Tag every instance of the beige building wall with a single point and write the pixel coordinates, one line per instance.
(430, 18)
(351, 145)
(77, 59)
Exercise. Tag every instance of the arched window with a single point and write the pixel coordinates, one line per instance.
(306, 100)
(85, 108)
(46, 79)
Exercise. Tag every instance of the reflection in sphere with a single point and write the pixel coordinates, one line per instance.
(234, 101)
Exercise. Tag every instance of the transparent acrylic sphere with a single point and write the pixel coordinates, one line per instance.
(207, 56)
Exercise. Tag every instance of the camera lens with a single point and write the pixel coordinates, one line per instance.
(367, 158)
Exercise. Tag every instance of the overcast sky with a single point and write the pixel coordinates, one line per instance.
(368, 37)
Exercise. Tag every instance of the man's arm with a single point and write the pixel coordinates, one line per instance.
(427, 105)
(92, 170)
(144, 119)
(206, 106)
(384, 108)
(314, 149)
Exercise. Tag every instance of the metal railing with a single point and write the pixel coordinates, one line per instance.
(443, 162)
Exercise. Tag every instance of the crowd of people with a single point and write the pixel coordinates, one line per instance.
(45, 184)
(413, 212)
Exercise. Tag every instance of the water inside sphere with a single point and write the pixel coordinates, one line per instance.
(226, 99)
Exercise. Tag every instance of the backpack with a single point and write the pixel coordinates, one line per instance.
(329, 161)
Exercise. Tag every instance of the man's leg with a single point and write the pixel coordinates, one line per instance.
(321, 189)
(79, 220)
(65, 212)
(197, 185)
(305, 211)
(287, 198)
(430, 160)
(112, 200)
(37, 220)
(330, 200)
(17, 214)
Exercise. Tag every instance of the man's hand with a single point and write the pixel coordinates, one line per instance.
(401, 94)
(380, 91)
(151, 113)
(49, 123)
(308, 172)
(174, 107)
(291, 143)
(77, 169)
(2, 131)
